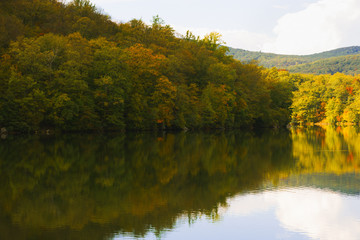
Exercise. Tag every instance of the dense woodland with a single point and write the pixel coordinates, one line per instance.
(332, 99)
(68, 67)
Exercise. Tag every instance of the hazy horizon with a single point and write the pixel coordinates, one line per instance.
(298, 54)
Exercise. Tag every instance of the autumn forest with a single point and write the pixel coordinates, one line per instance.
(68, 67)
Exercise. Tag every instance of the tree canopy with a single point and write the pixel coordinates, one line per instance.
(69, 67)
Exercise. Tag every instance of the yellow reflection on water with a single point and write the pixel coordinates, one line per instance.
(326, 150)
(144, 183)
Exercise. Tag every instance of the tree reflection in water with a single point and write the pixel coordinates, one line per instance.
(93, 186)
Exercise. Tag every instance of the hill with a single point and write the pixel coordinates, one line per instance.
(349, 65)
(329, 62)
(68, 67)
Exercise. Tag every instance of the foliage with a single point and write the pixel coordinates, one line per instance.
(343, 60)
(69, 67)
(344, 64)
(331, 99)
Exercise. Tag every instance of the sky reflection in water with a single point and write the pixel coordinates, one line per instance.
(289, 213)
(302, 184)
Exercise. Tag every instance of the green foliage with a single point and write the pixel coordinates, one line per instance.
(217, 101)
(343, 60)
(71, 69)
(344, 64)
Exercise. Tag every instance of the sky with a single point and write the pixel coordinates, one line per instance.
(279, 26)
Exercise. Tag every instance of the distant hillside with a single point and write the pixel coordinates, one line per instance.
(337, 60)
(345, 64)
(267, 60)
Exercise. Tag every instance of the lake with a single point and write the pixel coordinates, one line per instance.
(298, 184)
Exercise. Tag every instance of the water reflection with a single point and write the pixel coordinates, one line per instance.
(327, 150)
(312, 213)
(156, 185)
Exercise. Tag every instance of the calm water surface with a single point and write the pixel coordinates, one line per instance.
(298, 184)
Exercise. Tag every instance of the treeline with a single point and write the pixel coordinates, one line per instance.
(34, 18)
(331, 99)
(69, 67)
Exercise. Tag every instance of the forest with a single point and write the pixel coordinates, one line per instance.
(69, 67)
(330, 99)
(343, 60)
(344, 64)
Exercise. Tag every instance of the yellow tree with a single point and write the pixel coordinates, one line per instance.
(164, 101)
(143, 71)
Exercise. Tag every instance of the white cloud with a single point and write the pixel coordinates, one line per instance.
(317, 213)
(281, 7)
(101, 2)
(234, 38)
(245, 39)
(324, 25)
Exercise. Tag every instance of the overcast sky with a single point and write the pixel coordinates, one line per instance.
(279, 26)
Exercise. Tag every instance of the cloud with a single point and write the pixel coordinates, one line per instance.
(281, 7)
(245, 39)
(324, 25)
(234, 38)
(317, 213)
(102, 2)
(320, 26)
